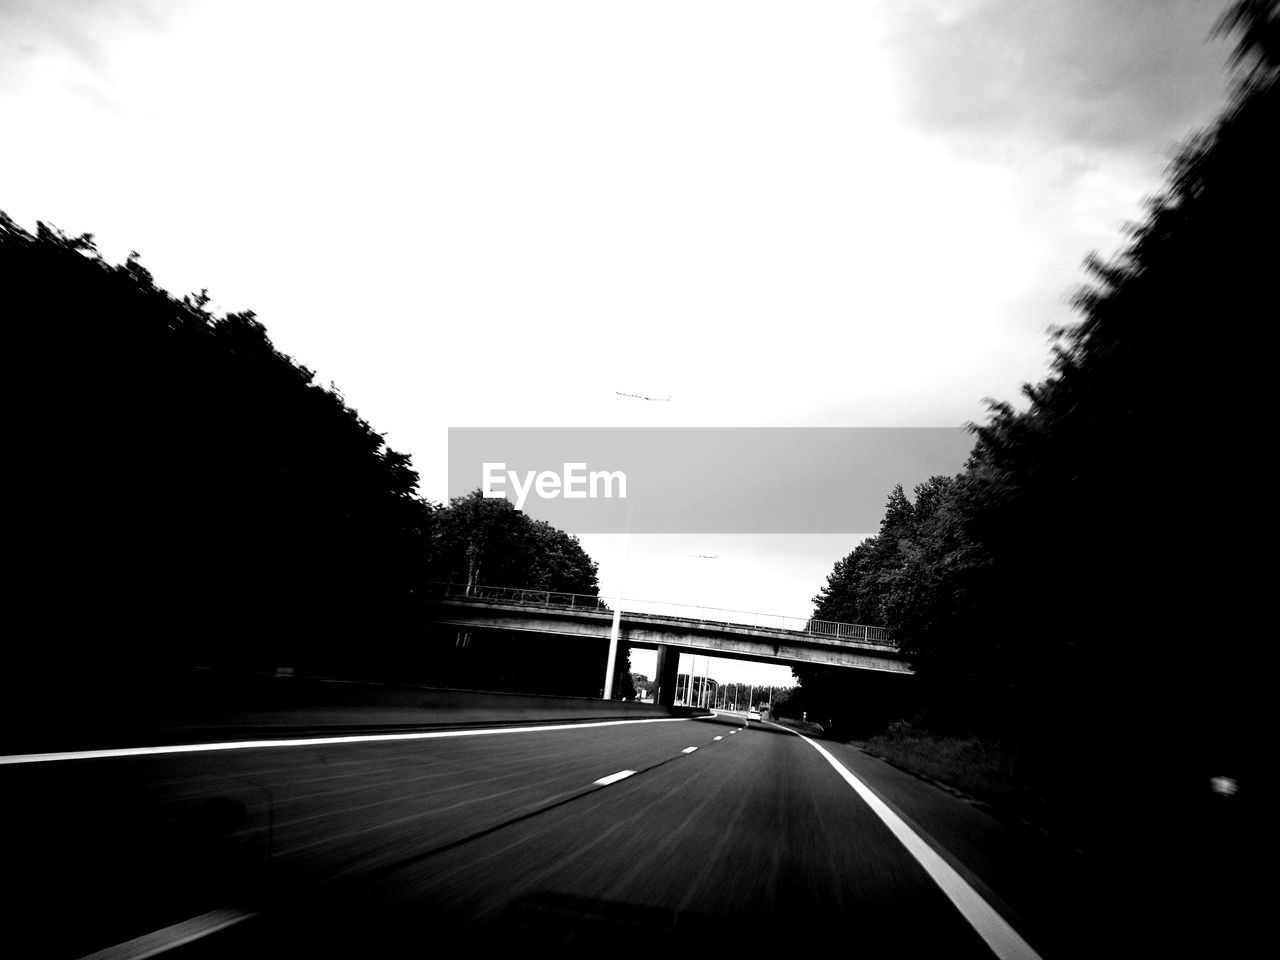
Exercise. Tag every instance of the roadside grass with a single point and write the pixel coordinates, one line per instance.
(992, 772)
(813, 729)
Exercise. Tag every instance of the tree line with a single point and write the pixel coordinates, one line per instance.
(187, 494)
(1088, 588)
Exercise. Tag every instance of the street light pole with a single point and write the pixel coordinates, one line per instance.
(616, 628)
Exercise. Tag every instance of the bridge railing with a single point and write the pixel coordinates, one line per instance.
(849, 631)
(854, 632)
(542, 598)
(703, 614)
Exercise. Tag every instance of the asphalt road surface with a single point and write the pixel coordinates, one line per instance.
(712, 835)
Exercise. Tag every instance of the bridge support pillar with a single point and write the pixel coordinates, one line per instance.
(667, 671)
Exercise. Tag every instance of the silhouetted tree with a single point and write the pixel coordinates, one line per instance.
(188, 495)
(187, 490)
(1086, 579)
(488, 541)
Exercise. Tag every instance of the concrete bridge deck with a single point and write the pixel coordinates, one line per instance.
(852, 646)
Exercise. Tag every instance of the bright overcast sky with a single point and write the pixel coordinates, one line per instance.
(783, 213)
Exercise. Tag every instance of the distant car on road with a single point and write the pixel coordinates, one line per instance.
(753, 714)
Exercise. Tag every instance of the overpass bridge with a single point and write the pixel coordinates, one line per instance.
(671, 629)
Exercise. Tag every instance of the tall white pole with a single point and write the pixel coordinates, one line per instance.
(614, 631)
(616, 628)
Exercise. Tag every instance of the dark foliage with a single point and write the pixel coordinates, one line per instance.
(488, 541)
(187, 495)
(188, 491)
(1086, 585)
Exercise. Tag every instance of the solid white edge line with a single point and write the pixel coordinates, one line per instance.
(170, 938)
(315, 741)
(1004, 941)
(688, 749)
(614, 777)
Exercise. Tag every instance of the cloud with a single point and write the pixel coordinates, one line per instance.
(1119, 75)
(82, 29)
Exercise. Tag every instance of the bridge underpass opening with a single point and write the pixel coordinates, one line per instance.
(706, 632)
(870, 699)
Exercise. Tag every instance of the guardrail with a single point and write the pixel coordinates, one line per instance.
(855, 632)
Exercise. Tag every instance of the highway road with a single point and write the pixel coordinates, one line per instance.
(711, 834)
